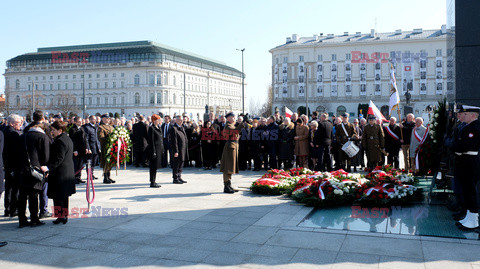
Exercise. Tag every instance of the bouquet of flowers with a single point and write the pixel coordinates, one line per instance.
(118, 146)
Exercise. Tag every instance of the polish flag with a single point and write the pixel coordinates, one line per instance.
(288, 112)
(373, 110)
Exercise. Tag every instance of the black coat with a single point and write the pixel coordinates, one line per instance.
(61, 175)
(155, 145)
(286, 142)
(324, 134)
(93, 144)
(79, 139)
(391, 144)
(11, 155)
(2, 173)
(178, 142)
(38, 147)
(140, 134)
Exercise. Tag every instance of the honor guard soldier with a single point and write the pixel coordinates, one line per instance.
(104, 131)
(466, 148)
(229, 162)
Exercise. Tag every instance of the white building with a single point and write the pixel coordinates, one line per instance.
(126, 78)
(338, 72)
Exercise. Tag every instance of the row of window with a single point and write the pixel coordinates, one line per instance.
(59, 77)
(348, 56)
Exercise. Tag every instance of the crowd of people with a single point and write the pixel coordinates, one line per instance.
(59, 149)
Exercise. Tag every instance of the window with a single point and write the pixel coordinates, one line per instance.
(114, 100)
(89, 75)
(58, 77)
(106, 75)
(74, 76)
(439, 52)
(98, 85)
(90, 100)
(66, 76)
(159, 98)
(98, 100)
(137, 80)
(51, 86)
(29, 78)
(74, 86)
(66, 86)
(98, 75)
(159, 79)
(152, 98)
(174, 81)
(301, 58)
(106, 100)
(114, 84)
(17, 84)
(123, 100)
(320, 58)
(51, 77)
(348, 56)
(106, 85)
(17, 100)
(122, 84)
(137, 98)
(285, 60)
(114, 75)
(58, 86)
(277, 61)
(122, 75)
(334, 57)
(89, 85)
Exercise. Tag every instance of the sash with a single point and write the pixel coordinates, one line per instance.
(391, 133)
(420, 140)
(343, 126)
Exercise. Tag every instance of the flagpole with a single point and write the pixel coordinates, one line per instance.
(398, 106)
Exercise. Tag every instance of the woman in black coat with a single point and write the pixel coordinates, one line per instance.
(155, 148)
(194, 150)
(209, 145)
(61, 175)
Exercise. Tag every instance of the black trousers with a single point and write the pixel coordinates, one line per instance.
(11, 192)
(393, 158)
(177, 168)
(324, 159)
(139, 158)
(153, 169)
(166, 149)
(468, 177)
(60, 207)
(31, 195)
(77, 166)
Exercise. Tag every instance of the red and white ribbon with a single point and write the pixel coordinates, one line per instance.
(119, 147)
(391, 133)
(420, 140)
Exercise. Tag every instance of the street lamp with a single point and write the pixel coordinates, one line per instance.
(243, 84)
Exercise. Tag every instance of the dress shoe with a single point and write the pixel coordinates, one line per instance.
(106, 181)
(111, 180)
(60, 220)
(24, 224)
(45, 215)
(183, 181)
(94, 177)
(177, 181)
(78, 181)
(3, 243)
(154, 185)
(37, 223)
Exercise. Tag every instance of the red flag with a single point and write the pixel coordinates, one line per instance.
(288, 112)
(373, 110)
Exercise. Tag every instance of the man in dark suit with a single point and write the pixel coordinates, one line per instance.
(178, 149)
(392, 142)
(93, 144)
(140, 142)
(272, 142)
(13, 164)
(166, 141)
(323, 139)
(79, 139)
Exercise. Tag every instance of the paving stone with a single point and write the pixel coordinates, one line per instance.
(307, 240)
(383, 246)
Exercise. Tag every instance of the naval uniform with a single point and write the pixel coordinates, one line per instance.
(467, 163)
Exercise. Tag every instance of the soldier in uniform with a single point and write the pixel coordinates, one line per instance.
(466, 148)
(373, 141)
(104, 131)
(229, 162)
(345, 131)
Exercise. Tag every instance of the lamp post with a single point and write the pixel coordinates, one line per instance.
(243, 84)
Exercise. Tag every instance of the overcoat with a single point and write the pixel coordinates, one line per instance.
(229, 161)
(155, 144)
(373, 140)
(104, 132)
(301, 145)
(61, 176)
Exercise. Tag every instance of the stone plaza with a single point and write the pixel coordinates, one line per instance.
(196, 225)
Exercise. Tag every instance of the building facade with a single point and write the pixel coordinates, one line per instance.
(125, 78)
(337, 73)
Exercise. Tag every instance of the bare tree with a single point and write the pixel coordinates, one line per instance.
(254, 106)
(267, 108)
(66, 104)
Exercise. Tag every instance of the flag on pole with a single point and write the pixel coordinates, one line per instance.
(288, 112)
(394, 96)
(373, 110)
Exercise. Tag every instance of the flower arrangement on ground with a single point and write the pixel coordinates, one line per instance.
(118, 146)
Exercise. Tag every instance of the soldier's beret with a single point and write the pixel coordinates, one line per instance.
(230, 114)
(371, 117)
(105, 116)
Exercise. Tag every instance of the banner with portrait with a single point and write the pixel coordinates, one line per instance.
(348, 78)
(439, 75)
(423, 76)
(319, 75)
(333, 78)
(363, 79)
(378, 79)
(285, 80)
(301, 79)
(408, 78)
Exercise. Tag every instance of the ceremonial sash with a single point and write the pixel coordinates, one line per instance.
(343, 126)
(420, 140)
(391, 133)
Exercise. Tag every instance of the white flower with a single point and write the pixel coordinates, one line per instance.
(436, 115)
(338, 192)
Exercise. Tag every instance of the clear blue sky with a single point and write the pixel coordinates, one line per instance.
(210, 28)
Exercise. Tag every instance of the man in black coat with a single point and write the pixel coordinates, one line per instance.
(166, 141)
(37, 152)
(272, 142)
(323, 138)
(2, 175)
(178, 149)
(79, 139)
(392, 142)
(93, 144)
(140, 142)
(13, 164)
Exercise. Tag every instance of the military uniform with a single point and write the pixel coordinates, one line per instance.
(343, 138)
(373, 141)
(104, 132)
(467, 162)
(229, 161)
